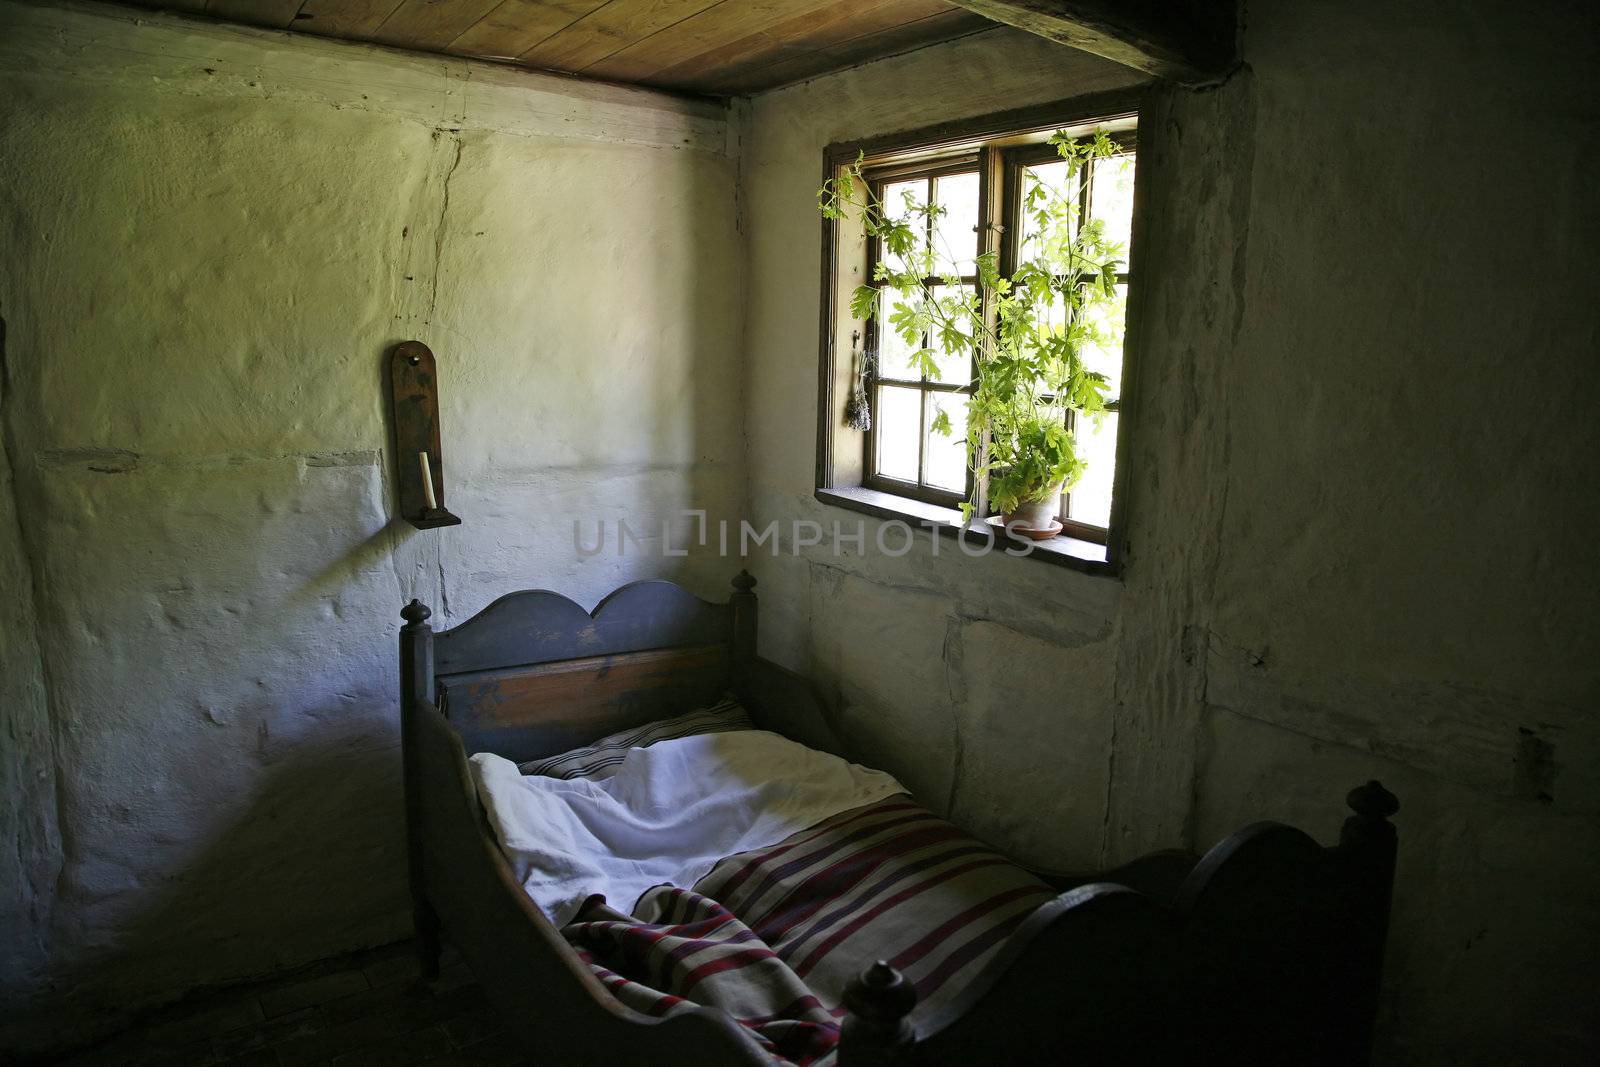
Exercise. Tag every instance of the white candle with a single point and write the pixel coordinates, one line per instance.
(427, 481)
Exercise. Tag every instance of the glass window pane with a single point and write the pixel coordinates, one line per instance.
(1111, 200)
(947, 456)
(1050, 178)
(894, 355)
(1089, 500)
(1106, 357)
(896, 425)
(894, 204)
(1052, 317)
(955, 233)
(894, 194)
(954, 369)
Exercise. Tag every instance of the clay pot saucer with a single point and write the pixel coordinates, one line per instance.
(1032, 533)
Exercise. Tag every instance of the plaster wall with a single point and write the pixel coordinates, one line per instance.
(211, 239)
(1360, 528)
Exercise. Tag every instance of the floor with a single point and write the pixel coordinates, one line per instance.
(353, 1011)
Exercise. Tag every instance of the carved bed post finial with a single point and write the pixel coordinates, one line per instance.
(1373, 800)
(1368, 846)
(876, 1032)
(743, 606)
(415, 613)
(1373, 805)
(416, 691)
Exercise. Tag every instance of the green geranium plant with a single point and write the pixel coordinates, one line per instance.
(1024, 333)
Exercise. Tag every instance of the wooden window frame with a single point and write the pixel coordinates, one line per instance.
(995, 139)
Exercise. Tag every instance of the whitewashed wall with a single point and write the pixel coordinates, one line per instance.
(1363, 505)
(211, 238)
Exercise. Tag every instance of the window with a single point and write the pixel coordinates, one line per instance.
(903, 453)
(1105, 192)
(980, 184)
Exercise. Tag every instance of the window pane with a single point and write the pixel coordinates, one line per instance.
(897, 423)
(894, 204)
(955, 233)
(953, 369)
(1106, 358)
(1052, 318)
(1090, 499)
(1111, 200)
(1053, 177)
(894, 355)
(947, 456)
(894, 195)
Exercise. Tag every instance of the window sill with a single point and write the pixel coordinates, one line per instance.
(1061, 550)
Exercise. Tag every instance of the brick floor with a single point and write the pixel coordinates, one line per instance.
(365, 1009)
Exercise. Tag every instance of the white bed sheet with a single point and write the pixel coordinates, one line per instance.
(670, 812)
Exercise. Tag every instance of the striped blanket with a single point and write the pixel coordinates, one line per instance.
(773, 936)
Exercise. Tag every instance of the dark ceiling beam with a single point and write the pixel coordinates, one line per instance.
(1184, 40)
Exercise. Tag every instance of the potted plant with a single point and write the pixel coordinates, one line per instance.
(1031, 462)
(1024, 332)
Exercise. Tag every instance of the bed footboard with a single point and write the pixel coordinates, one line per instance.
(1271, 951)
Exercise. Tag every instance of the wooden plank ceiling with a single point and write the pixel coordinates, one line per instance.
(720, 47)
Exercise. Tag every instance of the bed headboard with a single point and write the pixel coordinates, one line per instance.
(534, 673)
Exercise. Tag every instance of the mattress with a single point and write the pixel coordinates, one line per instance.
(758, 876)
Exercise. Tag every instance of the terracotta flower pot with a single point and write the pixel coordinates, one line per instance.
(1037, 516)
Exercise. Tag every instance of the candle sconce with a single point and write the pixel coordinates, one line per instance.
(419, 461)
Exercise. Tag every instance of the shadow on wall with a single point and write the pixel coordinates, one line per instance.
(227, 739)
(714, 395)
(310, 862)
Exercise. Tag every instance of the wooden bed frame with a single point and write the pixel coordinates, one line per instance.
(1267, 949)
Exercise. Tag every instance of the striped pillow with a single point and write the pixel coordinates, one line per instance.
(601, 759)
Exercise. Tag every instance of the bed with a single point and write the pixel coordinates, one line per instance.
(1268, 948)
